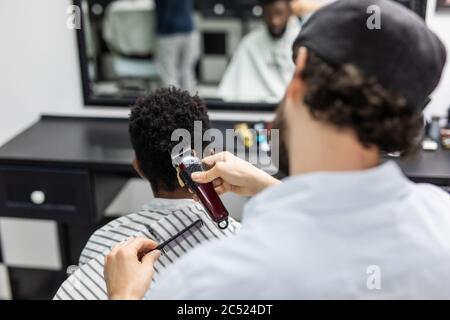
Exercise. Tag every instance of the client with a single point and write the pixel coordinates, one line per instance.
(152, 122)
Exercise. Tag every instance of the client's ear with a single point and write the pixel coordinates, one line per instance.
(180, 181)
(137, 168)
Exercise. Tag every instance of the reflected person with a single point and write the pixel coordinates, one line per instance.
(262, 66)
(178, 43)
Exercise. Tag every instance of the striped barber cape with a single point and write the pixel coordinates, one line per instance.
(159, 220)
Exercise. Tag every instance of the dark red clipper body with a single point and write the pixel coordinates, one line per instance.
(189, 164)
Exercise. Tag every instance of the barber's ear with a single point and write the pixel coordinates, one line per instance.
(137, 168)
(296, 88)
(300, 62)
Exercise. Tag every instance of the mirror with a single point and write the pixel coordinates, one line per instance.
(221, 49)
(237, 54)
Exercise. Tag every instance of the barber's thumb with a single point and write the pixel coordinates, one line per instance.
(150, 258)
(201, 177)
(207, 176)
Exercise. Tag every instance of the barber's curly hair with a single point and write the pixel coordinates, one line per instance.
(153, 119)
(344, 97)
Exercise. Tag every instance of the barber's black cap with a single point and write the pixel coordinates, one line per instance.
(404, 55)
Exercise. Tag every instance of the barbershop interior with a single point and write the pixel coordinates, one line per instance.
(212, 133)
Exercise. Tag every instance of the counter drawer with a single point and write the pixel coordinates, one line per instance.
(40, 193)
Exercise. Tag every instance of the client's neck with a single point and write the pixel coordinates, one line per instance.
(178, 193)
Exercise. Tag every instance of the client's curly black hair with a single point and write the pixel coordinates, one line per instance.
(344, 97)
(153, 119)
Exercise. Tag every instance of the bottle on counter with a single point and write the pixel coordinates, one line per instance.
(448, 119)
(434, 130)
(445, 133)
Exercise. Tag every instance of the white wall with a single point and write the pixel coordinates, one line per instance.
(38, 69)
(39, 65)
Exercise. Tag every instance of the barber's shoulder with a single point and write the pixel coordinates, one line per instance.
(433, 194)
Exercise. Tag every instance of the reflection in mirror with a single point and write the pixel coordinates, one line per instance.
(233, 51)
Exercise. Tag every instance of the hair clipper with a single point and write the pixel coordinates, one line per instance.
(186, 163)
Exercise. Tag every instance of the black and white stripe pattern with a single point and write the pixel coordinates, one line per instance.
(87, 282)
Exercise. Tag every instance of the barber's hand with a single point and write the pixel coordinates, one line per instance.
(127, 277)
(229, 173)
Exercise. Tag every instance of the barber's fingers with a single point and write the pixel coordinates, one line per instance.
(205, 176)
(222, 189)
(150, 258)
(138, 245)
(220, 186)
(218, 157)
(216, 172)
(218, 182)
(119, 246)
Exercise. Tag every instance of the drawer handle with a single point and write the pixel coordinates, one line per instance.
(37, 197)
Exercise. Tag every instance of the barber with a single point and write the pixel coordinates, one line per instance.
(344, 225)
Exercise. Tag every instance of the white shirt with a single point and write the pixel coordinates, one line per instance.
(367, 235)
(261, 67)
